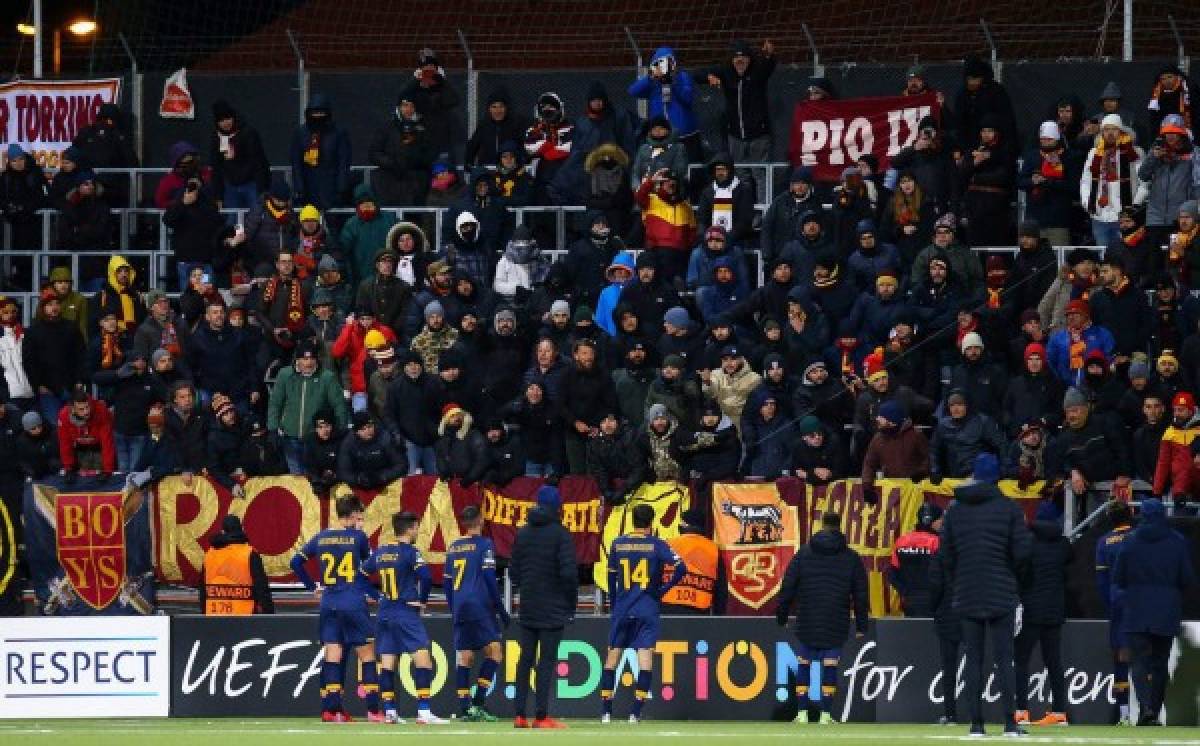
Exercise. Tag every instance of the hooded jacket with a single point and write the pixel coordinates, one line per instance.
(767, 444)
(611, 295)
(676, 105)
(747, 116)
(669, 220)
(325, 181)
(373, 463)
(362, 239)
(95, 433)
(483, 149)
(243, 160)
(826, 582)
(1044, 590)
(123, 302)
(1170, 184)
(985, 549)
(956, 443)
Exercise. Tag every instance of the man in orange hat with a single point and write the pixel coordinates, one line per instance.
(1176, 471)
(1167, 171)
(1068, 348)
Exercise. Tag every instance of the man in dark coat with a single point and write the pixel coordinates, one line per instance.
(369, 458)
(543, 568)
(1044, 599)
(826, 580)
(1154, 568)
(986, 547)
(588, 394)
(241, 172)
(498, 125)
(1033, 269)
(908, 571)
(435, 100)
(461, 448)
(744, 82)
(980, 97)
(401, 153)
(107, 143)
(320, 156)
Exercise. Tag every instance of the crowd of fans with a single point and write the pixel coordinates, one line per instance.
(879, 343)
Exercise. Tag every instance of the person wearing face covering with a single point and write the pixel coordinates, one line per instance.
(320, 155)
(548, 143)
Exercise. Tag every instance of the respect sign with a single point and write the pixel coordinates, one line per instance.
(44, 116)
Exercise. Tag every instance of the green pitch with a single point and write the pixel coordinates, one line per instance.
(292, 731)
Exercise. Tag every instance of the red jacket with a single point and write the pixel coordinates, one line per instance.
(1175, 470)
(670, 223)
(98, 430)
(351, 344)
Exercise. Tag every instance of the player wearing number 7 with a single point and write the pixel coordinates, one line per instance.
(344, 621)
(405, 581)
(474, 599)
(636, 562)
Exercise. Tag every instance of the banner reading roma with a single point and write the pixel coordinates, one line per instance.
(830, 135)
(757, 533)
(507, 509)
(89, 551)
(280, 513)
(669, 500)
(44, 116)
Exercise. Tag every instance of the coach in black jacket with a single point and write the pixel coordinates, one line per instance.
(827, 578)
(543, 567)
(984, 546)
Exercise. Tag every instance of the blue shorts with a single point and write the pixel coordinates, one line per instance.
(1117, 638)
(636, 632)
(400, 632)
(475, 634)
(819, 655)
(345, 627)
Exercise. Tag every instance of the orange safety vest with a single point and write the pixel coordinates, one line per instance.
(228, 586)
(700, 555)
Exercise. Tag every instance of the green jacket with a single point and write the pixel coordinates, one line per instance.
(295, 399)
(362, 239)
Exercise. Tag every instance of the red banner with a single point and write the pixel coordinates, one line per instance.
(280, 513)
(91, 544)
(505, 511)
(830, 135)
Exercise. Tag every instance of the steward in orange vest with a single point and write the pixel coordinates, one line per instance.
(235, 583)
(703, 589)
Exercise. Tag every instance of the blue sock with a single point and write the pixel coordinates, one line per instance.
(487, 674)
(1121, 682)
(803, 672)
(462, 679)
(331, 687)
(387, 688)
(370, 681)
(608, 681)
(422, 677)
(829, 672)
(642, 693)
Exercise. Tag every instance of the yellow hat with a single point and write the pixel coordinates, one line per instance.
(375, 339)
(308, 212)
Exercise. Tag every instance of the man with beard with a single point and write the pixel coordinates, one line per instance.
(439, 286)
(824, 396)
(1044, 179)
(983, 381)
(964, 263)
(1132, 246)
(1175, 474)
(320, 157)
(385, 294)
(1109, 183)
(656, 454)
(587, 395)
(1121, 308)
(1087, 450)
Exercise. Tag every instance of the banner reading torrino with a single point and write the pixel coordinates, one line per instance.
(44, 116)
(757, 533)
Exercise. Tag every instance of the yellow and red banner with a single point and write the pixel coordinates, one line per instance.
(757, 533)
(669, 500)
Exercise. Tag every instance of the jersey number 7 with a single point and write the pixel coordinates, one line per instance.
(460, 567)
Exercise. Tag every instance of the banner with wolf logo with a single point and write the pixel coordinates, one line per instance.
(757, 533)
(89, 548)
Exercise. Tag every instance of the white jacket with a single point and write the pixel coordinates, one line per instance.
(510, 276)
(1112, 211)
(14, 367)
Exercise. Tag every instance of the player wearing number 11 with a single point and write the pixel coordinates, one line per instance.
(405, 581)
(344, 620)
(636, 564)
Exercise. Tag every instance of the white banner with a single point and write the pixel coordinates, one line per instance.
(44, 116)
(85, 666)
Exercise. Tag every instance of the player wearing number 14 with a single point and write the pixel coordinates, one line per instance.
(636, 563)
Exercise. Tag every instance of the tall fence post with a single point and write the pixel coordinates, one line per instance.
(637, 69)
(818, 68)
(1180, 51)
(1127, 32)
(301, 73)
(472, 85)
(997, 68)
(137, 92)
